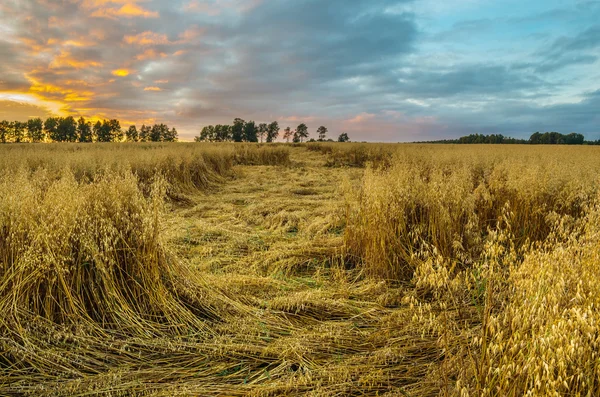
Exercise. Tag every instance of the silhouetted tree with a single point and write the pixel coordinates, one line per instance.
(237, 130)
(84, 131)
(322, 131)
(132, 134)
(145, 133)
(208, 134)
(222, 133)
(116, 133)
(103, 131)
(170, 135)
(343, 137)
(51, 128)
(17, 129)
(35, 129)
(272, 131)
(66, 131)
(4, 128)
(262, 131)
(250, 132)
(287, 134)
(301, 133)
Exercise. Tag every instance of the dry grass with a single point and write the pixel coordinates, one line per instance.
(435, 270)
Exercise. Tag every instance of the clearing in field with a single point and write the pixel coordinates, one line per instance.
(313, 269)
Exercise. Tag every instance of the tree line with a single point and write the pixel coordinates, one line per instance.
(537, 138)
(249, 131)
(67, 129)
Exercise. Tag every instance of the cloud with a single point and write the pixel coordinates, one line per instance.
(128, 10)
(360, 118)
(390, 70)
(146, 39)
(120, 72)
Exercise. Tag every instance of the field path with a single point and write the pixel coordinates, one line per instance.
(272, 238)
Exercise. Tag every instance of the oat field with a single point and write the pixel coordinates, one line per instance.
(319, 269)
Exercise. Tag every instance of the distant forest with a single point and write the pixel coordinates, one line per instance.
(538, 138)
(67, 129)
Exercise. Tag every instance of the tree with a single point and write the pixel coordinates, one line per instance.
(35, 129)
(116, 134)
(343, 137)
(145, 133)
(84, 131)
(132, 134)
(250, 132)
(272, 131)
(574, 139)
(222, 133)
(4, 127)
(18, 131)
(156, 133)
(51, 128)
(287, 134)
(97, 131)
(262, 131)
(66, 131)
(103, 131)
(322, 131)
(301, 133)
(208, 134)
(237, 130)
(170, 135)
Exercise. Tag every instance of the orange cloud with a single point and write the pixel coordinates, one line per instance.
(66, 60)
(128, 10)
(161, 81)
(147, 38)
(150, 54)
(120, 72)
(152, 89)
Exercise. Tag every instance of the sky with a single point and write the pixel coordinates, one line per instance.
(379, 70)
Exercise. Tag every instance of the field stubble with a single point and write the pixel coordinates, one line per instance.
(270, 270)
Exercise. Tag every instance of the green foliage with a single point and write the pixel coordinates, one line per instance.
(287, 134)
(250, 132)
(262, 131)
(272, 131)
(132, 134)
(35, 129)
(18, 131)
(556, 138)
(84, 130)
(240, 131)
(547, 138)
(51, 128)
(237, 130)
(322, 131)
(301, 133)
(343, 137)
(67, 129)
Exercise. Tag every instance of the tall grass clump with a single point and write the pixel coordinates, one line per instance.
(88, 286)
(354, 154)
(186, 166)
(540, 331)
(446, 201)
(88, 253)
(498, 249)
(249, 154)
